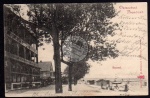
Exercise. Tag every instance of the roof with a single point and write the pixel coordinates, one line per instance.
(46, 66)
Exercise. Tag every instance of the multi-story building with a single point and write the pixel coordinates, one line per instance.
(20, 53)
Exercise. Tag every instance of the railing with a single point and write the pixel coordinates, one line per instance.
(15, 57)
(22, 42)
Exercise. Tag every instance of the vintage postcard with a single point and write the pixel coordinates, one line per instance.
(76, 49)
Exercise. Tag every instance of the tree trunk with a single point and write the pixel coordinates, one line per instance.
(70, 77)
(75, 81)
(58, 82)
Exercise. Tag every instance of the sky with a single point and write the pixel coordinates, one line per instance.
(130, 66)
(45, 53)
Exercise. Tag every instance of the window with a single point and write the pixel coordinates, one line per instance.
(13, 68)
(14, 78)
(33, 57)
(30, 71)
(33, 78)
(21, 51)
(38, 71)
(6, 66)
(21, 69)
(28, 78)
(51, 74)
(26, 70)
(28, 54)
(17, 67)
(13, 47)
(22, 78)
(18, 78)
(25, 78)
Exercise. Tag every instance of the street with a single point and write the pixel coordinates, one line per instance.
(77, 90)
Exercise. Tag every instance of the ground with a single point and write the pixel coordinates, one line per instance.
(78, 90)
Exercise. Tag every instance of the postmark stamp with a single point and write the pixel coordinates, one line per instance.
(75, 48)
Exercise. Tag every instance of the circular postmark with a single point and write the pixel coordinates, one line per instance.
(74, 48)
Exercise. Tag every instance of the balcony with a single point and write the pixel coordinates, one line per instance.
(17, 58)
(22, 42)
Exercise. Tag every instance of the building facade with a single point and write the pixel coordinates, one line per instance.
(46, 73)
(46, 69)
(20, 53)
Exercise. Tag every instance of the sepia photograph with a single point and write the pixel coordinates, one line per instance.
(75, 49)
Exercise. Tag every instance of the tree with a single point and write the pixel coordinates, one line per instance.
(95, 28)
(79, 70)
(54, 22)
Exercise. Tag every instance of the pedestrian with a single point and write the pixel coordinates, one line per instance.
(126, 88)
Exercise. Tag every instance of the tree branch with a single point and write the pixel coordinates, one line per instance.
(67, 63)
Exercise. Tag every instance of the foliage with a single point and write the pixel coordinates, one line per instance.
(90, 21)
(79, 70)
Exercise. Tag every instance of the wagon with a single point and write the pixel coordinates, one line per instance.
(120, 86)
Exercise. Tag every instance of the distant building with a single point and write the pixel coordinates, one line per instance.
(20, 53)
(105, 84)
(46, 70)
